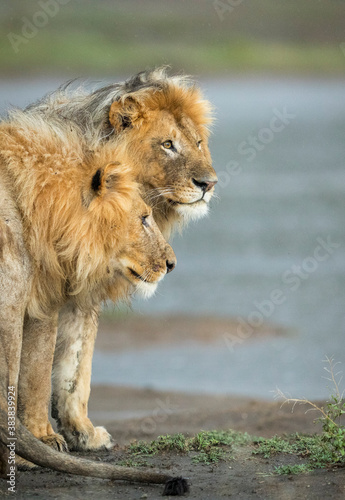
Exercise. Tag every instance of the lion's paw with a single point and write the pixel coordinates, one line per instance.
(102, 439)
(55, 441)
(90, 439)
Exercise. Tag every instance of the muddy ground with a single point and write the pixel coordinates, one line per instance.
(135, 414)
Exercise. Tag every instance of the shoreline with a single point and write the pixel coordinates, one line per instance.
(135, 414)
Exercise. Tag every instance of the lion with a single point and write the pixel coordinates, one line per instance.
(163, 124)
(73, 228)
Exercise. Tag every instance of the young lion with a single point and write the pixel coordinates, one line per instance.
(73, 228)
(161, 122)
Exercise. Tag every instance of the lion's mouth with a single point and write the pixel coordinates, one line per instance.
(140, 277)
(175, 203)
(143, 288)
(137, 276)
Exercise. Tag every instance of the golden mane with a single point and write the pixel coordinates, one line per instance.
(70, 229)
(179, 101)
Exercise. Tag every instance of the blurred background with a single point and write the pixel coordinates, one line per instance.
(270, 258)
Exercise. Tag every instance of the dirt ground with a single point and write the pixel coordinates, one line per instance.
(134, 414)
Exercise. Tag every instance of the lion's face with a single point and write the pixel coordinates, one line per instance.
(168, 142)
(120, 226)
(180, 171)
(146, 257)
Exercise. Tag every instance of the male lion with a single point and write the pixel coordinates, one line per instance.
(73, 228)
(162, 123)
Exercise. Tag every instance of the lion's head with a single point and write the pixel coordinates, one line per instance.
(121, 227)
(166, 136)
(164, 123)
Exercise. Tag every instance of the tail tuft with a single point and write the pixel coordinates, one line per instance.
(176, 486)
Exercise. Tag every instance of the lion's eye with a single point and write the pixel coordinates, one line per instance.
(167, 145)
(199, 144)
(144, 220)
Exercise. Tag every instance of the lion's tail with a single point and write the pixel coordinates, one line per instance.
(30, 448)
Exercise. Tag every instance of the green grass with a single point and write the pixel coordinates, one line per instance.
(130, 462)
(209, 447)
(206, 447)
(319, 450)
(284, 470)
(211, 456)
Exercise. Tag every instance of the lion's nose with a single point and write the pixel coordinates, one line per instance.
(170, 265)
(205, 184)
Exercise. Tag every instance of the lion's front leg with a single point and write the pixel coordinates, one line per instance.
(15, 283)
(11, 328)
(39, 338)
(72, 377)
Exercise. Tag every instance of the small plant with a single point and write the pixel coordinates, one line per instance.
(206, 439)
(268, 447)
(211, 456)
(129, 462)
(141, 448)
(209, 445)
(292, 469)
(320, 450)
(176, 442)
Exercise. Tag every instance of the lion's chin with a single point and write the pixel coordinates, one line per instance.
(145, 290)
(192, 211)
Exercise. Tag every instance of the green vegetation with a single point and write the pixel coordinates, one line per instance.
(316, 451)
(176, 442)
(293, 469)
(129, 462)
(321, 450)
(210, 446)
(211, 456)
(103, 38)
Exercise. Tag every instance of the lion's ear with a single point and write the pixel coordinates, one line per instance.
(114, 181)
(105, 179)
(96, 182)
(125, 113)
(96, 187)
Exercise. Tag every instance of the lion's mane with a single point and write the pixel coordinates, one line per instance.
(69, 230)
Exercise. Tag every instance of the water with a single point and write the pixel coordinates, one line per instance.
(278, 202)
